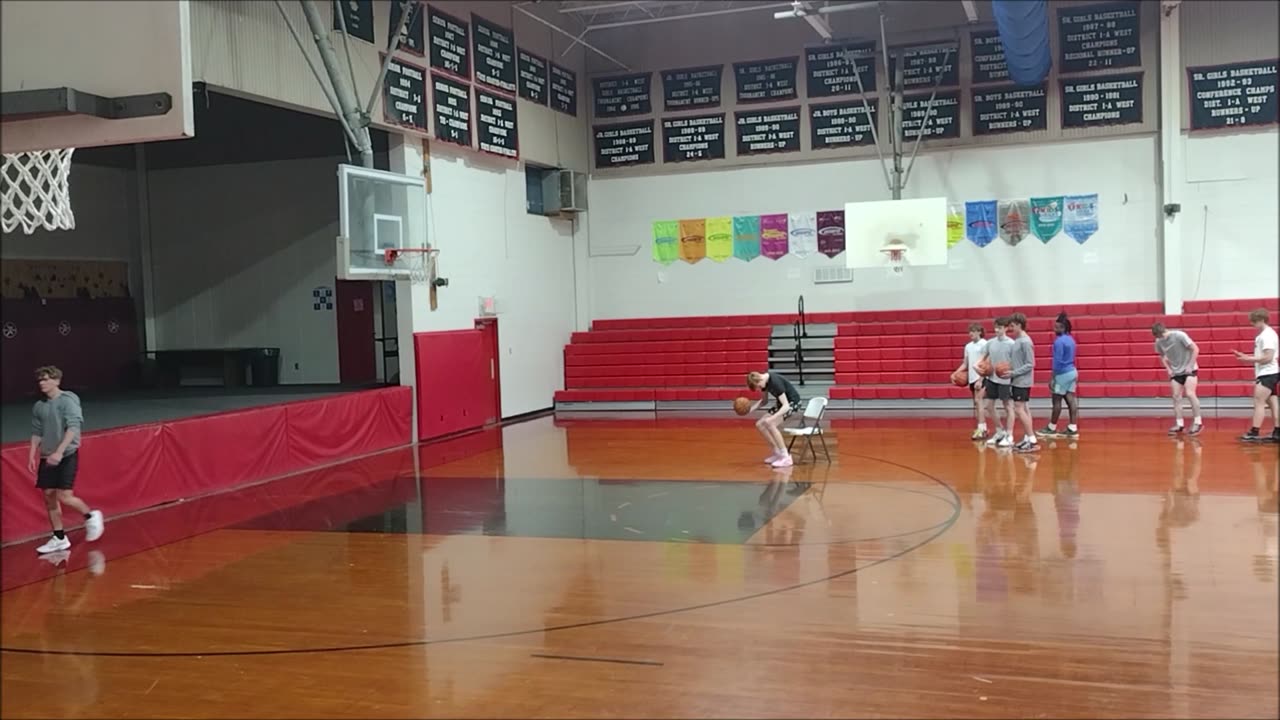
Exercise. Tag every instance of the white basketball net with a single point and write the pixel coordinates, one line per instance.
(36, 191)
(897, 260)
(416, 262)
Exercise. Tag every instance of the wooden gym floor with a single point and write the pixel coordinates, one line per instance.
(656, 568)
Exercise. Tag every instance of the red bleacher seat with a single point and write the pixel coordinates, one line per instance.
(900, 354)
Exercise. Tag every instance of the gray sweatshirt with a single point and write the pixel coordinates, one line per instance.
(1022, 365)
(999, 350)
(50, 420)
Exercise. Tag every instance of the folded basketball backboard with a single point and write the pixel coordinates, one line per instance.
(85, 73)
(878, 234)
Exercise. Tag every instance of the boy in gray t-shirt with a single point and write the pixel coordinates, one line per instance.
(999, 349)
(54, 457)
(1179, 355)
(1022, 366)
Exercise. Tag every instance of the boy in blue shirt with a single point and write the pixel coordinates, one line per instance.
(1063, 384)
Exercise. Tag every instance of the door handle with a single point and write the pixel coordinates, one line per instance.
(491, 373)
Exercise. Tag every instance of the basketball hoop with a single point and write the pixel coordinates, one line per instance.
(419, 263)
(896, 250)
(35, 191)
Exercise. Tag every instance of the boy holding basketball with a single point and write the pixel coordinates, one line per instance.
(973, 354)
(1021, 372)
(998, 351)
(773, 384)
(1179, 355)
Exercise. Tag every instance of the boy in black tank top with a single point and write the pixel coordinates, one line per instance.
(773, 384)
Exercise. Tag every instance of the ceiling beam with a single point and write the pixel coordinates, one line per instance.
(689, 16)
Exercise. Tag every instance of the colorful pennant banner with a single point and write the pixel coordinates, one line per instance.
(773, 236)
(831, 232)
(666, 237)
(746, 237)
(693, 240)
(720, 238)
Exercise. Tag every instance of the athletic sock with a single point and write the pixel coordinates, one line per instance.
(1052, 426)
(60, 534)
(1178, 422)
(1072, 427)
(1196, 421)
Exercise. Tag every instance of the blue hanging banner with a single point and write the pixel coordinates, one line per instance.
(980, 222)
(1024, 35)
(1080, 219)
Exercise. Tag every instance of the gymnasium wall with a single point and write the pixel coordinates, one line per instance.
(236, 252)
(1232, 173)
(1113, 266)
(1231, 241)
(246, 48)
(489, 244)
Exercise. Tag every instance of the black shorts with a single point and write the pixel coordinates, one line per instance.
(997, 391)
(1020, 394)
(1269, 382)
(58, 477)
(1182, 379)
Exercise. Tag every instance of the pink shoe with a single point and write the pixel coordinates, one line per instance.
(772, 459)
(784, 461)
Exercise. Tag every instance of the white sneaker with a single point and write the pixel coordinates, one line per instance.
(995, 439)
(55, 545)
(93, 525)
(1006, 441)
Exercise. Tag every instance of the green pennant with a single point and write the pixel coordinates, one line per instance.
(1046, 217)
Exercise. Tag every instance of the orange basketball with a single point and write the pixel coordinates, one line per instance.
(742, 406)
(960, 377)
(984, 367)
(1002, 369)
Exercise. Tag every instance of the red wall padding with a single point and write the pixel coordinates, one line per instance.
(137, 467)
(318, 498)
(90, 354)
(452, 372)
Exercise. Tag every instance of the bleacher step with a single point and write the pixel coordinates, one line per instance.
(812, 330)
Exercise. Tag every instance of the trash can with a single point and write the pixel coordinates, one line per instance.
(264, 367)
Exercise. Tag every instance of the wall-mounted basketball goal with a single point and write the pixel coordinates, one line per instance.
(383, 228)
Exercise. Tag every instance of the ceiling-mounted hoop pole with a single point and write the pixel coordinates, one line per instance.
(895, 110)
(928, 108)
(324, 88)
(349, 105)
(866, 107)
(346, 45)
(405, 16)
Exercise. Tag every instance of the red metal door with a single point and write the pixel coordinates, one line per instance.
(357, 361)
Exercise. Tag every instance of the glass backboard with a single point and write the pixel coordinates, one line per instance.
(378, 211)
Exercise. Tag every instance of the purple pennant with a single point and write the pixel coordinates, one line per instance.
(773, 235)
(831, 232)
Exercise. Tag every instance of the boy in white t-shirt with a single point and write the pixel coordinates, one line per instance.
(1266, 370)
(974, 351)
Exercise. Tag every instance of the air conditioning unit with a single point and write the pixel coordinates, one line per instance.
(571, 189)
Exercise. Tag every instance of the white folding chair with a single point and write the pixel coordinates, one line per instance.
(810, 427)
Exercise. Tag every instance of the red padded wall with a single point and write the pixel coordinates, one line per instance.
(453, 382)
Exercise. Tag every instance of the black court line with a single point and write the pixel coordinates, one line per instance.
(937, 531)
(617, 661)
